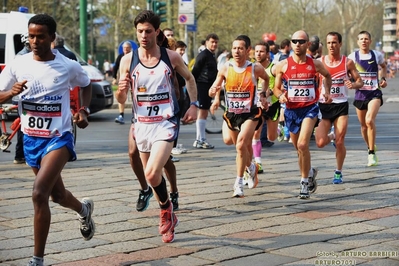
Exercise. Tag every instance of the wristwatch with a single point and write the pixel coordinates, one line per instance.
(195, 103)
(85, 109)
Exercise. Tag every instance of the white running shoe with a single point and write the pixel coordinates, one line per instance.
(253, 177)
(304, 192)
(372, 160)
(238, 191)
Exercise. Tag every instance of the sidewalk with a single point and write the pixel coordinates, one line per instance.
(356, 222)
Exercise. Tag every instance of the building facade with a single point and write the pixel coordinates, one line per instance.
(391, 27)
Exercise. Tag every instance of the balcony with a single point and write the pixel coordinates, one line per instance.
(389, 38)
(390, 5)
(390, 16)
(389, 27)
(388, 49)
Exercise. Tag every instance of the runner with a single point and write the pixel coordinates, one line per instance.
(270, 116)
(368, 99)
(149, 70)
(336, 113)
(243, 116)
(298, 74)
(43, 80)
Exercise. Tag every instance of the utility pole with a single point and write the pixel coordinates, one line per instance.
(83, 29)
(4, 6)
(169, 13)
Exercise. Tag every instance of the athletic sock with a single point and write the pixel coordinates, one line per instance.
(37, 261)
(303, 179)
(84, 211)
(162, 193)
(257, 148)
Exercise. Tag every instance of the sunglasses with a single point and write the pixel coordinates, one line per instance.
(299, 41)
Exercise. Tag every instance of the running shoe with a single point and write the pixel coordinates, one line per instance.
(202, 145)
(87, 226)
(245, 178)
(174, 159)
(253, 177)
(144, 199)
(120, 120)
(331, 136)
(260, 170)
(167, 220)
(267, 144)
(176, 151)
(169, 236)
(179, 149)
(19, 161)
(372, 160)
(337, 178)
(280, 133)
(313, 181)
(238, 191)
(174, 198)
(304, 192)
(31, 263)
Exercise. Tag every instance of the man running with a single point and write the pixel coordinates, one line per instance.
(149, 72)
(368, 99)
(342, 71)
(271, 115)
(299, 75)
(243, 116)
(43, 79)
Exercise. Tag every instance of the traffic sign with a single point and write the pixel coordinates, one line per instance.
(192, 28)
(186, 19)
(186, 12)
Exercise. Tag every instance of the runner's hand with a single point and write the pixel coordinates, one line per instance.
(327, 98)
(213, 90)
(124, 82)
(18, 87)
(80, 118)
(191, 115)
(215, 105)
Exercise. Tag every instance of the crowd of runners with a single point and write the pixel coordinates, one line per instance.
(311, 88)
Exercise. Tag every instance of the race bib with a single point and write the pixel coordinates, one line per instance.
(370, 80)
(239, 102)
(301, 90)
(41, 120)
(337, 89)
(153, 108)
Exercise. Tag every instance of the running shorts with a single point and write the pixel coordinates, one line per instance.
(273, 113)
(146, 134)
(363, 105)
(334, 110)
(294, 117)
(234, 121)
(35, 148)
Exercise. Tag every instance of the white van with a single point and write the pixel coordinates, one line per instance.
(13, 24)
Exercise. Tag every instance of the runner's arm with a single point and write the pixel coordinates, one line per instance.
(278, 81)
(124, 78)
(217, 84)
(358, 82)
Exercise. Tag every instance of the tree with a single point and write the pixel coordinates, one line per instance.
(354, 14)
